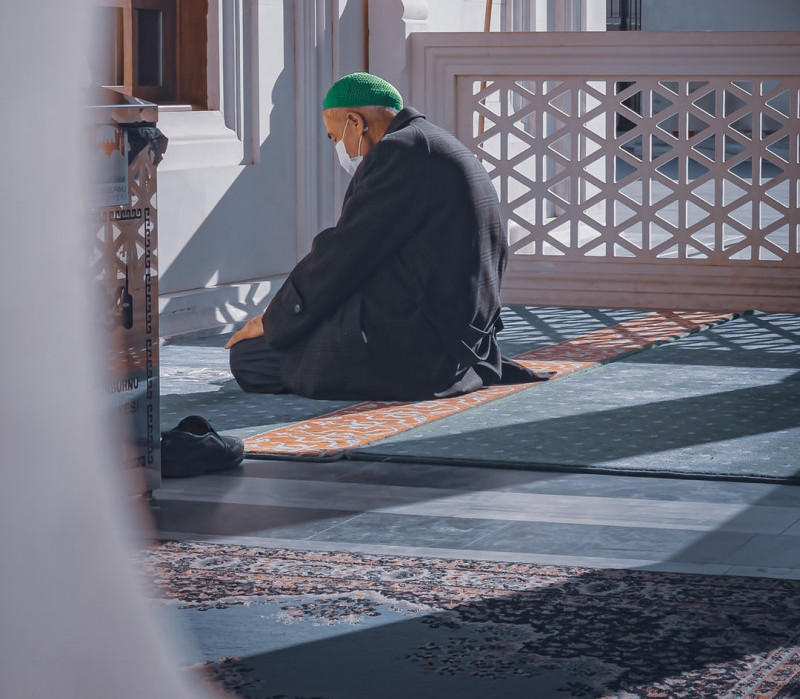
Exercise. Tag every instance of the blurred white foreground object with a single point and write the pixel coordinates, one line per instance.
(73, 621)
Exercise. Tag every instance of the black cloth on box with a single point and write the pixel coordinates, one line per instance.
(141, 137)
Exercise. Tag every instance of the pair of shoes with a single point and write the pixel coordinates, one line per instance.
(194, 447)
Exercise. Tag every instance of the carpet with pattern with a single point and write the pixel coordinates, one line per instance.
(347, 625)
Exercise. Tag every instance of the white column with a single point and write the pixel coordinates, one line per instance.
(316, 59)
(594, 16)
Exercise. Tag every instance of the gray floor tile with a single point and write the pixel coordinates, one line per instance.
(405, 474)
(484, 504)
(765, 551)
(225, 519)
(477, 478)
(794, 530)
(313, 494)
(617, 542)
(622, 512)
(410, 530)
(643, 487)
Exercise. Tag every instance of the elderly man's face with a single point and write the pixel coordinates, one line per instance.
(335, 122)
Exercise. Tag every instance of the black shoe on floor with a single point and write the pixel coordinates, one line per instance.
(194, 447)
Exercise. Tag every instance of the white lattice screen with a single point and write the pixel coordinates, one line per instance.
(676, 185)
(643, 169)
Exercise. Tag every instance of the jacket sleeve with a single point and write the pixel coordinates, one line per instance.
(384, 207)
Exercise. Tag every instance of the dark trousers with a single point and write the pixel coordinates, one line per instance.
(256, 366)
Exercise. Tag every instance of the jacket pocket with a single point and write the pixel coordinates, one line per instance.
(353, 341)
(284, 318)
(291, 301)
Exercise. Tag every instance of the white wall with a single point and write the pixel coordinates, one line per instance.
(227, 223)
(720, 15)
(228, 232)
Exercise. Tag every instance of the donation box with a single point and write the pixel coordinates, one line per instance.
(126, 147)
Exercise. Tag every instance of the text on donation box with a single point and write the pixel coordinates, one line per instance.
(110, 166)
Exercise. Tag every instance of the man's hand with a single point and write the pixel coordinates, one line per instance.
(252, 328)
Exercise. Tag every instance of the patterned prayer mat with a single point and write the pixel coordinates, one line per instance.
(351, 626)
(331, 435)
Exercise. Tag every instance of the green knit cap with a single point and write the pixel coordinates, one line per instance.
(362, 90)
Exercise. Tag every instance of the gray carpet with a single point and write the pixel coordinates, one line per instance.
(723, 403)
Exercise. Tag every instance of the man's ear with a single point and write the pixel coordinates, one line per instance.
(357, 120)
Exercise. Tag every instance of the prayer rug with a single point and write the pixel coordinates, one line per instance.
(335, 625)
(329, 436)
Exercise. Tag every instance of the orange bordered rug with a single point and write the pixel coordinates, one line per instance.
(331, 435)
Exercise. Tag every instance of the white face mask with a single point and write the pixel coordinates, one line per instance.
(349, 164)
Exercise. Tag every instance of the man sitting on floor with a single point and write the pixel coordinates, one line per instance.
(400, 300)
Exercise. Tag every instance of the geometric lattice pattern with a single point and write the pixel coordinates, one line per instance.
(123, 257)
(642, 169)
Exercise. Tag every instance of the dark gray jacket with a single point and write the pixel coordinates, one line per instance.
(401, 299)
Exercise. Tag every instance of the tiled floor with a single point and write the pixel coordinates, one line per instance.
(666, 524)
